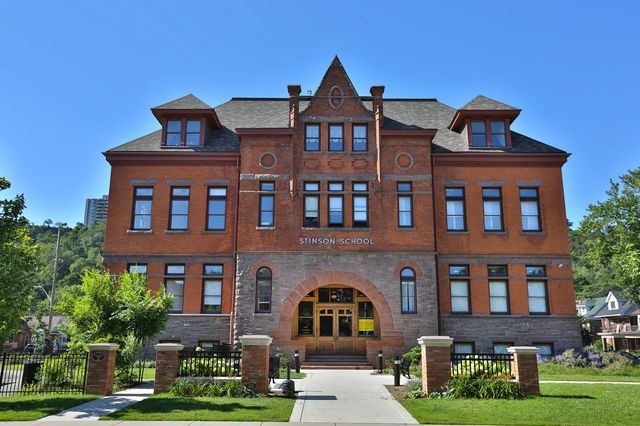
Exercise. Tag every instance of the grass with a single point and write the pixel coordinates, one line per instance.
(625, 373)
(560, 404)
(150, 374)
(166, 407)
(34, 407)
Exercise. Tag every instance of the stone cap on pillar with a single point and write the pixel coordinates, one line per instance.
(255, 340)
(522, 350)
(435, 341)
(103, 347)
(168, 347)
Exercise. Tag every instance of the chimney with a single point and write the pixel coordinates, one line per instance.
(294, 103)
(376, 92)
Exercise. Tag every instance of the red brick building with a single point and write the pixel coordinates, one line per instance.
(340, 223)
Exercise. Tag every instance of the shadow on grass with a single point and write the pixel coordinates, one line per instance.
(37, 403)
(567, 396)
(169, 405)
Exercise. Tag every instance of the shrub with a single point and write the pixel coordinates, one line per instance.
(414, 389)
(483, 388)
(190, 388)
(414, 355)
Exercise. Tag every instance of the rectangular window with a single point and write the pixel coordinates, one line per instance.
(179, 214)
(138, 268)
(459, 270)
(305, 319)
(174, 285)
(267, 203)
(174, 133)
(405, 205)
(463, 348)
(360, 138)
(454, 198)
(193, 132)
(360, 204)
(536, 271)
(501, 347)
(312, 137)
(545, 350)
(212, 289)
(498, 134)
(530, 209)
(336, 139)
(209, 345)
(459, 289)
(216, 208)
(498, 289)
(336, 204)
(537, 297)
(311, 205)
(478, 133)
(492, 206)
(142, 203)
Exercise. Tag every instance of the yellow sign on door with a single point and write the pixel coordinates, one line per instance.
(366, 324)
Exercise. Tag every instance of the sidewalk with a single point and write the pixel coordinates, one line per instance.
(347, 396)
(138, 423)
(93, 410)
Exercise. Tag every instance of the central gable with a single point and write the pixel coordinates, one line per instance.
(336, 96)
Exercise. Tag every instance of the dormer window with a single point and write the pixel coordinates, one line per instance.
(488, 133)
(613, 304)
(183, 132)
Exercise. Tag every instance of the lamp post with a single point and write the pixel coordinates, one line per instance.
(396, 371)
(296, 356)
(380, 362)
(55, 276)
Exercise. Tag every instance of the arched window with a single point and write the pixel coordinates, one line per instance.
(408, 290)
(263, 290)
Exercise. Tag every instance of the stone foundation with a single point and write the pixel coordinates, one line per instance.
(190, 329)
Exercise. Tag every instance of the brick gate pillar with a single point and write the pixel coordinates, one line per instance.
(167, 365)
(101, 368)
(436, 362)
(255, 362)
(525, 368)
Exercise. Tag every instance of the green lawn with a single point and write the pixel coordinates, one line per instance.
(34, 407)
(625, 373)
(166, 407)
(560, 404)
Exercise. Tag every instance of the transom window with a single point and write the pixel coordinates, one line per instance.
(492, 207)
(459, 270)
(454, 198)
(336, 138)
(360, 205)
(312, 137)
(359, 137)
(530, 209)
(408, 290)
(137, 268)
(142, 203)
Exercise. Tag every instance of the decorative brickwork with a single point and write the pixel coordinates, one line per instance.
(436, 362)
(255, 362)
(525, 368)
(167, 365)
(101, 368)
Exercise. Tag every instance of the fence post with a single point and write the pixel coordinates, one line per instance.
(436, 362)
(167, 365)
(255, 362)
(101, 368)
(525, 368)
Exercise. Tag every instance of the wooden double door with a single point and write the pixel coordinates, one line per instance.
(336, 329)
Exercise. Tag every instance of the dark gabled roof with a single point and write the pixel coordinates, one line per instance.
(482, 103)
(186, 102)
(399, 114)
(624, 309)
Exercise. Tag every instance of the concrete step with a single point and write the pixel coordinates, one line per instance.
(335, 366)
(336, 362)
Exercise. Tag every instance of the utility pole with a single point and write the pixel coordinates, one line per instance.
(55, 275)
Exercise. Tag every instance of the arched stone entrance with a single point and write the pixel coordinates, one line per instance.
(389, 340)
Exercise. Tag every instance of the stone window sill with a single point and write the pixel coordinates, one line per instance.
(405, 229)
(139, 231)
(503, 233)
(214, 231)
(176, 231)
(265, 228)
(457, 232)
(335, 228)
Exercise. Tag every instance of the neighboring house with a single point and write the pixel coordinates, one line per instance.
(615, 319)
(346, 224)
(587, 308)
(19, 341)
(25, 335)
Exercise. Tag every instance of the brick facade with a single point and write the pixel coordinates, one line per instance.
(101, 368)
(420, 143)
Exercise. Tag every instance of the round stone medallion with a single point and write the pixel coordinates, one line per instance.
(267, 160)
(404, 160)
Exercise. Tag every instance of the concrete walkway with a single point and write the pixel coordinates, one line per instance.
(347, 396)
(93, 410)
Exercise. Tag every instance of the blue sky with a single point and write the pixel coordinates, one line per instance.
(77, 78)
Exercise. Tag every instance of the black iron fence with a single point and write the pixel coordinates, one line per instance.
(479, 365)
(24, 374)
(223, 363)
(141, 370)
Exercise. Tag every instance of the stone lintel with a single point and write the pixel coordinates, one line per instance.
(435, 341)
(168, 347)
(523, 350)
(255, 340)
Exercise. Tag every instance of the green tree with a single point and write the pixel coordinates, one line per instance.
(17, 259)
(611, 234)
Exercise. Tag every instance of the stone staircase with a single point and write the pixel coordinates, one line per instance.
(336, 362)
